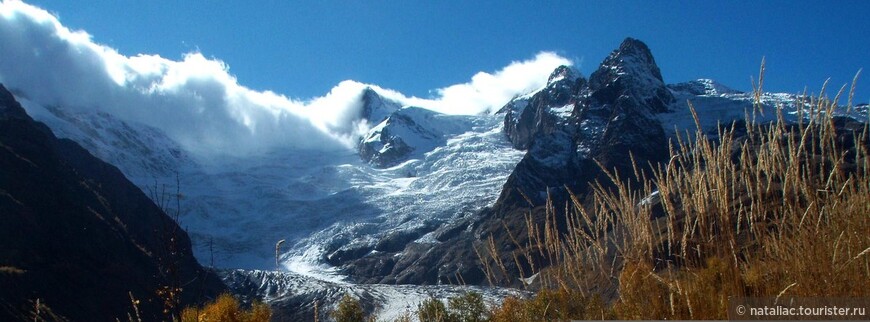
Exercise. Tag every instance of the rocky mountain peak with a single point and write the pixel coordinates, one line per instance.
(541, 111)
(563, 72)
(376, 108)
(631, 71)
(631, 47)
(608, 122)
(567, 129)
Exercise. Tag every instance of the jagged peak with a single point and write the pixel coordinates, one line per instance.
(376, 108)
(369, 94)
(631, 46)
(632, 57)
(371, 97)
(563, 72)
(631, 70)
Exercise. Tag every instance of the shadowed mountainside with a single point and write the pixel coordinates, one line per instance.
(77, 239)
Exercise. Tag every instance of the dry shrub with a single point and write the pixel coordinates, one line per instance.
(226, 308)
(552, 305)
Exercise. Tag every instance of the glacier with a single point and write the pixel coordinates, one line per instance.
(320, 201)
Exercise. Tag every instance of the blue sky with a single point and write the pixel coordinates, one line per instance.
(302, 49)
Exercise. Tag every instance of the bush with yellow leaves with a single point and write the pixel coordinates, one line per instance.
(226, 308)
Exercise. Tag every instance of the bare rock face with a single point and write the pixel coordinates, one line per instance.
(542, 112)
(607, 121)
(78, 236)
(631, 71)
(606, 118)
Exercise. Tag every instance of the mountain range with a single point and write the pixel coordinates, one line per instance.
(420, 195)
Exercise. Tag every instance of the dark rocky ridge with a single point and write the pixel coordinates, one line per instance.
(612, 116)
(77, 235)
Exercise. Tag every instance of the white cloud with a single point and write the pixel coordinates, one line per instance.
(198, 103)
(487, 92)
(492, 91)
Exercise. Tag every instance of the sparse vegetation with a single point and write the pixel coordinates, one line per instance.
(39, 312)
(757, 210)
(405, 317)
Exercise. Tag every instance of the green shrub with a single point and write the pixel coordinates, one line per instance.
(433, 310)
(469, 308)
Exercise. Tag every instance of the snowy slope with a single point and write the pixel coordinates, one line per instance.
(143, 152)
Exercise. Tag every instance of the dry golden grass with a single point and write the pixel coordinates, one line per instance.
(760, 210)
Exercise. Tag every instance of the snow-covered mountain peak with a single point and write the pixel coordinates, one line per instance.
(421, 171)
(632, 59)
(408, 133)
(563, 72)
